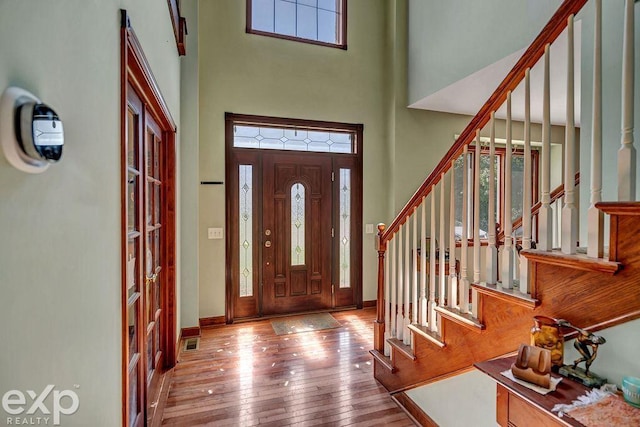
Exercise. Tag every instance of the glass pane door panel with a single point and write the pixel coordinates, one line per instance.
(156, 337)
(156, 158)
(157, 294)
(133, 328)
(132, 198)
(156, 203)
(150, 201)
(132, 267)
(150, 354)
(132, 122)
(297, 224)
(151, 161)
(134, 402)
(154, 245)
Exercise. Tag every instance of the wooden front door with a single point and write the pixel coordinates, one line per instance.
(294, 216)
(296, 232)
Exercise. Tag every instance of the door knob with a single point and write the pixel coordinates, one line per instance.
(267, 244)
(151, 279)
(267, 232)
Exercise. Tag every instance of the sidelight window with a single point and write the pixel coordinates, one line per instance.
(345, 228)
(246, 230)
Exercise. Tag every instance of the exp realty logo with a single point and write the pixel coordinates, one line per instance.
(35, 409)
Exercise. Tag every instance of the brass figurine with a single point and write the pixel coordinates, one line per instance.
(587, 345)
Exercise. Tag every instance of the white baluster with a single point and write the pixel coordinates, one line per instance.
(595, 217)
(464, 280)
(476, 224)
(415, 308)
(423, 263)
(627, 152)
(406, 335)
(432, 263)
(527, 190)
(441, 246)
(508, 250)
(453, 275)
(394, 285)
(387, 305)
(545, 216)
(476, 209)
(569, 225)
(400, 315)
(492, 249)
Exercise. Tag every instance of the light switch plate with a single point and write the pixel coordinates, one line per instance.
(369, 228)
(215, 233)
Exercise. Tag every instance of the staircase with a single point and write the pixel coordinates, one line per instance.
(451, 291)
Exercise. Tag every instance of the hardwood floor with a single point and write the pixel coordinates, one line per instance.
(246, 375)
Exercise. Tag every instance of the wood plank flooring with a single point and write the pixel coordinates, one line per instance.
(246, 375)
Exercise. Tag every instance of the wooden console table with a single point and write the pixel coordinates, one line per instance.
(519, 406)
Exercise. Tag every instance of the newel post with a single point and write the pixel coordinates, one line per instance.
(378, 332)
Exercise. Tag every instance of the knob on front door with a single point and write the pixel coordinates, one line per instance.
(267, 244)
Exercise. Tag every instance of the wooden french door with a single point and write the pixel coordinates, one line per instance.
(148, 161)
(294, 219)
(296, 232)
(145, 277)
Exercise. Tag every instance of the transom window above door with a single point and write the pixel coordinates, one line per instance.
(322, 22)
(293, 139)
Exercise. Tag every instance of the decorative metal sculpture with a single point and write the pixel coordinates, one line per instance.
(587, 345)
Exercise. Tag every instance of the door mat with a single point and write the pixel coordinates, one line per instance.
(306, 323)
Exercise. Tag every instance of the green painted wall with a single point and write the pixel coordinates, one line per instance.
(450, 40)
(245, 73)
(60, 271)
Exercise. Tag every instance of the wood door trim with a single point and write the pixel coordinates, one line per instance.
(135, 71)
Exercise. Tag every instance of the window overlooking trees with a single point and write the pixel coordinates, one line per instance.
(313, 21)
(517, 182)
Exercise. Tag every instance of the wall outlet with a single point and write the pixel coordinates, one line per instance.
(369, 228)
(215, 233)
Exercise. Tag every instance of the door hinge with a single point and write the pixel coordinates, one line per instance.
(333, 176)
(333, 289)
(332, 232)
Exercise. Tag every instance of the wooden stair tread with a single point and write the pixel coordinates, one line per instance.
(428, 334)
(576, 261)
(402, 348)
(619, 208)
(510, 295)
(463, 319)
(383, 360)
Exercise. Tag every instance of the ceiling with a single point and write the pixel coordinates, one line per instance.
(466, 96)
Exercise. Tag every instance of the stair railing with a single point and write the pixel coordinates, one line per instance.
(425, 275)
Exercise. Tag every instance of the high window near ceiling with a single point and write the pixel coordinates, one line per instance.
(322, 22)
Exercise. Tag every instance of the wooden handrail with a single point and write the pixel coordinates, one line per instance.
(557, 193)
(534, 52)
